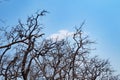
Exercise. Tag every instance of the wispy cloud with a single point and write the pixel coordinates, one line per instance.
(61, 34)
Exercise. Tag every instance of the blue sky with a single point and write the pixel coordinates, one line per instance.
(102, 20)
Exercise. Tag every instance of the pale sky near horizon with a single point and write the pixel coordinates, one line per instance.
(102, 20)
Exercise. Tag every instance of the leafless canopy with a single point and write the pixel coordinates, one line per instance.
(26, 55)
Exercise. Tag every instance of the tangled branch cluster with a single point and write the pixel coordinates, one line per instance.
(25, 55)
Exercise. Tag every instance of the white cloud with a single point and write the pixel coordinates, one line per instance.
(61, 34)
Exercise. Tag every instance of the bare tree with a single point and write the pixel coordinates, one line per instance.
(20, 43)
(26, 55)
